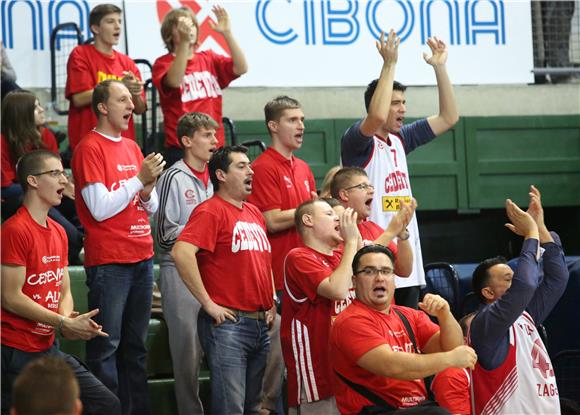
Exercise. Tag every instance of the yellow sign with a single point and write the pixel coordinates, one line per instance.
(392, 203)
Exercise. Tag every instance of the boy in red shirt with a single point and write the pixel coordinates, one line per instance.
(317, 287)
(189, 80)
(90, 64)
(36, 295)
(115, 194)
(282, 182)
(223, 257)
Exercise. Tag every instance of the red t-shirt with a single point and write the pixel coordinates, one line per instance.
(282, 184)
(306, 321)
(43, 252)
(126, 237)
(451, 390)
(8, 168)
(234, 256)
(206, 74)
(86, 67)
(360, 329)
(370, 231)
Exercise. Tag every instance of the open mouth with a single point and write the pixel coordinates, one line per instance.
(248, 181)
(368, 202)
(127, 116)
(60, 191)
(380, 290)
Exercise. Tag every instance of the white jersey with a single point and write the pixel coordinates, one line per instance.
(388, 173)
(525, 383)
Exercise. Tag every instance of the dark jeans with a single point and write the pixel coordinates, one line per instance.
(122, 293)
(96, 398)
(236, 353)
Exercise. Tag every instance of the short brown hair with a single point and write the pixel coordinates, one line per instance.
(32, 163)
(273, 109)
(170, 22)
(306, 208)
(101, 94)
(191, 122)
(46, 385)
(343, 178)
(101, 11)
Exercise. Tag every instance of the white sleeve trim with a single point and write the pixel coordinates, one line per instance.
(104, 204)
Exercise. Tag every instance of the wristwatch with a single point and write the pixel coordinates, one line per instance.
(403, 236)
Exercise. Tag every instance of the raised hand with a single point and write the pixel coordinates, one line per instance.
(348, 229)
(535, 209)
(389, 48)
(438, 52)
(133, 84)
(521, 222)
(183, 31)
(223, 24)
(151, 168)
(434, 305)
(401, 220)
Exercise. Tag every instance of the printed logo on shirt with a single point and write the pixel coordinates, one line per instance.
(43, 329)
(393, 203)
(46, 277)
(288, 182)
(102, 76)
(199, 85)
(541, 361)
(190, 198)
(126, 167)
(53, 258)
(396, 181)
(142, 228)
(249, 236)
(307, 185)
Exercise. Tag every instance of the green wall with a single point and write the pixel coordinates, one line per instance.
(476, 165)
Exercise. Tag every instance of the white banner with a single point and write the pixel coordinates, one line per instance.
(305, 42)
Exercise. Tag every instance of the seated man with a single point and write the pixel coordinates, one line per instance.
(381, 352)
(36, 296)
(514, 374)
(351, 187)
(46, 386)
(317, 284)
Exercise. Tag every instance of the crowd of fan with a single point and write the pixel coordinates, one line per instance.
(259, 275)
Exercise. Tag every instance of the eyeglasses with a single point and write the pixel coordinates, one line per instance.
(361, 186)
(373, 272)
(52, 173)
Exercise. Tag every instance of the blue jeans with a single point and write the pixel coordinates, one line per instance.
(236, 354)
(122, 293)
(96, 398)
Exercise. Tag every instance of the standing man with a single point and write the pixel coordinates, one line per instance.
(380, 142)
(90, 64)
(388, 349)
(223, 256)
(282, 181)
(190, 80)
(514, 374)
(317, 287)
(181, 188)
(36, 295)
(115, 193)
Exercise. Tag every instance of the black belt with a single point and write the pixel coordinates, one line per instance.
(255, 315)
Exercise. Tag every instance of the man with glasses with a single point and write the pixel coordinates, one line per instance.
(381, 352)
(351, 187)
(115, 193)
(317, 287)
(380, 142)
(36, 295)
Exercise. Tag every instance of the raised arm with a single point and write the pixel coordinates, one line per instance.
(556, 272)
(181, 48)
(449, 335)
(336, 286)
(378, 110)
(448, 114)
(223, 26)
